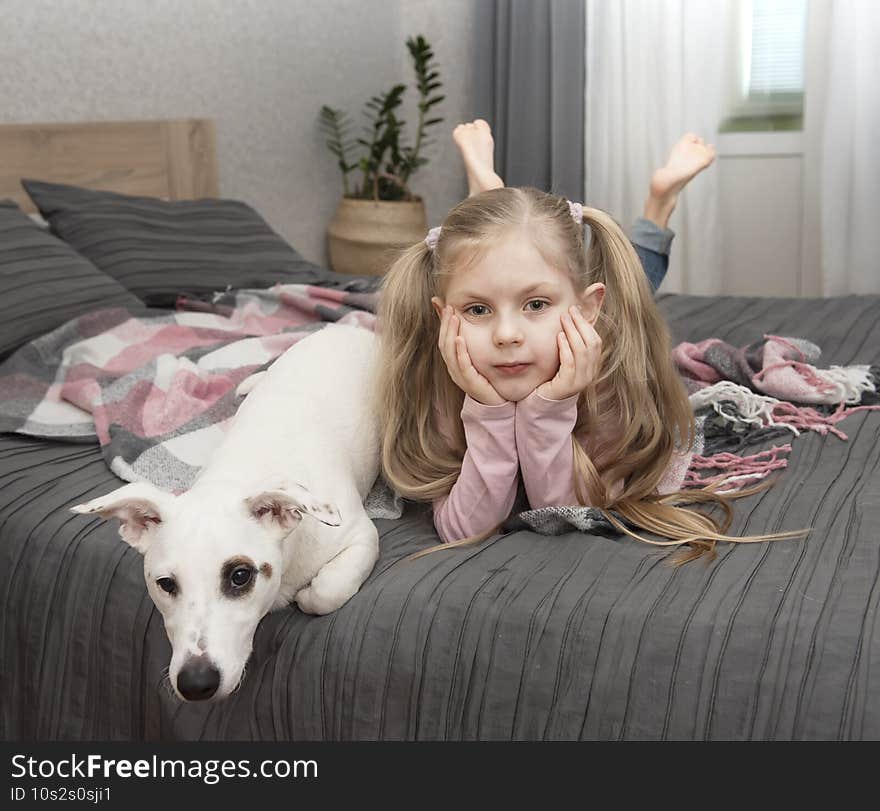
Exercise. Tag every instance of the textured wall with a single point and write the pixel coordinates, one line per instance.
(260, 68)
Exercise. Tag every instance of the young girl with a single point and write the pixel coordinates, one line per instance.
(507, 349)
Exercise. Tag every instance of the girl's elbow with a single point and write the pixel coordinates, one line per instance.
(444, 536)
(442, 527)
(451, 535)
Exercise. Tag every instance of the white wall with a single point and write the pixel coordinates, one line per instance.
(761, 211)
(260, 68)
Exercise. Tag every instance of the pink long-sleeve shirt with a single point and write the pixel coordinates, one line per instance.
(532, 437)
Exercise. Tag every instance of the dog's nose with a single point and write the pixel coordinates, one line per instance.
(198, 679)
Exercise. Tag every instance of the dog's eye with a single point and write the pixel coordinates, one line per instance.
(241, 576)
(167, 584)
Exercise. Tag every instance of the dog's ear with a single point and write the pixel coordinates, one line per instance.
(283, 507)
(138, 506)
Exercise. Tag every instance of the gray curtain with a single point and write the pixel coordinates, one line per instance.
(529, 70)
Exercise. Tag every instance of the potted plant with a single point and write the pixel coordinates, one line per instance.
(379, 214)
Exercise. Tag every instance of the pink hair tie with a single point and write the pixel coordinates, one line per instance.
(431, 239)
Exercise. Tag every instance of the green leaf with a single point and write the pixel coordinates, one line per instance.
(390, 157)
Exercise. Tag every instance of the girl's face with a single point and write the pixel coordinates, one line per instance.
(510, 306)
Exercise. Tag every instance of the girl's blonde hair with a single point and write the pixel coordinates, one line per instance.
(638, 400)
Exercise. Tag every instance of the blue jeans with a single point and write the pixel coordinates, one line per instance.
(652, 245)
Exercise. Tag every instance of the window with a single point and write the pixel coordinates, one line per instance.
(769, 61)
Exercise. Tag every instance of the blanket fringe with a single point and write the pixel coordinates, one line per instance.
(808, 419)
(751, 408)
(759, 409)
(852, 381)
(737, 470)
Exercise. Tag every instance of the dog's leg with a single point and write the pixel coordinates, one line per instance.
(339, 579)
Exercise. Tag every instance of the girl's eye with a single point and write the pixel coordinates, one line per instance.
(475, 307)
(543, 304)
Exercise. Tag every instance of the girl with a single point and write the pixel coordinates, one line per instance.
(507, 348)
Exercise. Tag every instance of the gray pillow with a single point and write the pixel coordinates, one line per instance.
(44, 282)
(160, 249)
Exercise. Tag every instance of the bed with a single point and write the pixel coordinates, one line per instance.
(528, 636)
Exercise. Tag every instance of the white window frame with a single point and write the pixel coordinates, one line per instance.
(746, 105)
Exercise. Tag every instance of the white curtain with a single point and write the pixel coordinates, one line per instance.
(841, 153)
(654, 71)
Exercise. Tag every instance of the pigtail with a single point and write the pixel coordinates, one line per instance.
(612, 260)
(637, 390)
(413, 383)
(640, 391)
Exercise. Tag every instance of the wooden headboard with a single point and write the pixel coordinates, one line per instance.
(173, 159)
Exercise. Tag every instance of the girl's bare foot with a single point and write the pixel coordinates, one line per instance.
(477, 147)
(686, 160)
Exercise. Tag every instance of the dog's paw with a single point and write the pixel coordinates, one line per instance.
(304, 599)
(311, 601)
(340, 578)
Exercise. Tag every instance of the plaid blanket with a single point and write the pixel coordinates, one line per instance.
(775, 366)
(158, 392)
(769, 389)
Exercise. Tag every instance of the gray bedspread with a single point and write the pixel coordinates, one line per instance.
(527, 637)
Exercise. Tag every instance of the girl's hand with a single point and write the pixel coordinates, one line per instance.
(580, 350)
(458, 362)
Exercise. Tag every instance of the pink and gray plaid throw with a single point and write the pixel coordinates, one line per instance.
(158, 392)
(766, 390)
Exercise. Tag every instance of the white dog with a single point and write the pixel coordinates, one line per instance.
(220, 556)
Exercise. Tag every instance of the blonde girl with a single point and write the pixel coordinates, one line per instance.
(508, 349)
